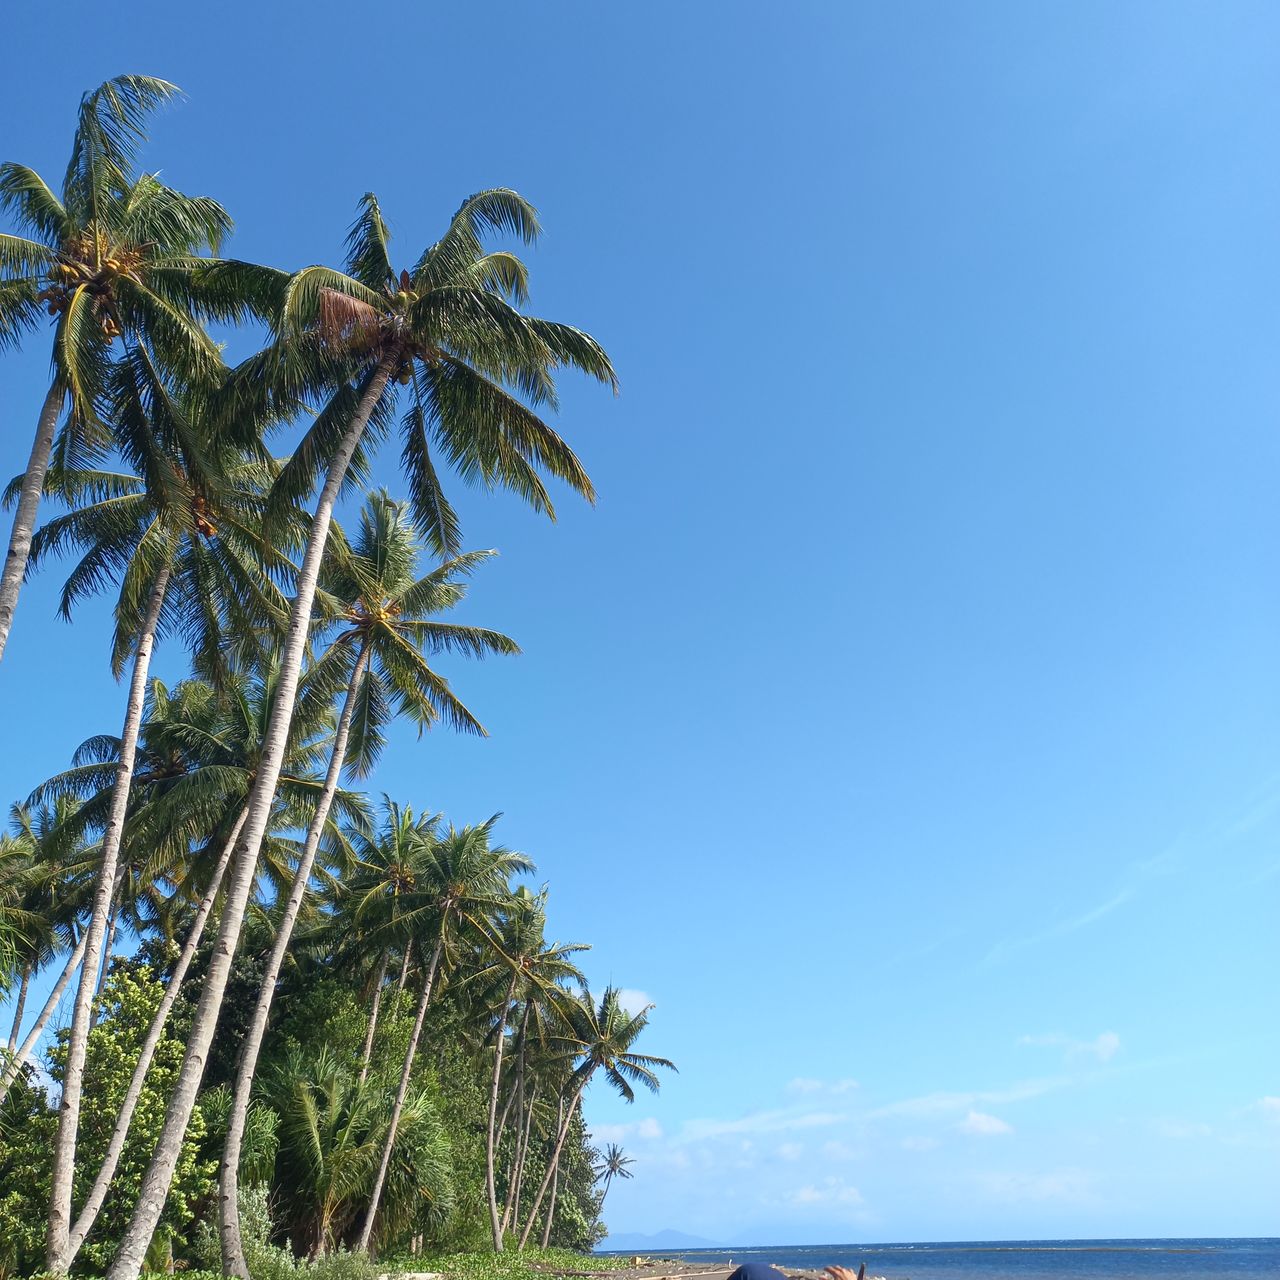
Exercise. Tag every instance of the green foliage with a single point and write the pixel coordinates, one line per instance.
(128, 1001)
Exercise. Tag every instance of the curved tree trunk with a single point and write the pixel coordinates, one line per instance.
(491, 1139)
(233, 1259)
(16, 1030)
(375, 1196)
(404, 966)
(23, 1052)
(366, 1056)
(555, 1186)
(24, 520)
(98, 1192)
(159, 1176)
(552, 1164)
(64, 1151)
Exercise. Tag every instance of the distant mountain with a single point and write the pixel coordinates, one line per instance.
(659, 1242)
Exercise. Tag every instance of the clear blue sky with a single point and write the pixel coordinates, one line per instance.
(907, 711)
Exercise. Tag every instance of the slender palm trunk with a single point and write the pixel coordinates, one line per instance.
(366, 1056)
(608, 1178)
(23, 1052)
(109, 942)
(404, 965)
(491, 1139)
(64, 1151)
(512, 1213)
(159, 1176)
(555, 1189)
(233, 1259)
(98, 1192)
(552, 1163)
(24, 520)
(16, 1029)
(375, 1196)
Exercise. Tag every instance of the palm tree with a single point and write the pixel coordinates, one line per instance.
(199, 751)
(115, 256)
(448, 328)
(183, 538)
(466, 879)
(44, 873)
(387, 616)
(533, 967)
(614, 1165)
(604, 1034)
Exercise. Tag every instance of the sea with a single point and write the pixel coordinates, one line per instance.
(1204, 1259)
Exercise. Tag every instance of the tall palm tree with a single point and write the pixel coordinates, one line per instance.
(449, 328)
(116, 256)
(183, 538)
(387, 621)
(466, 882)
(533, 967)
(615, 1164)
(605, 1033)
(199, 748)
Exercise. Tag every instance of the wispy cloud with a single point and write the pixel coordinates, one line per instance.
(647, 1129)
(1103, 1047)
(981, 1125)
(807, 1086)
(783, 1121)
(1269, 1108)
(832, 1191)
(943, 1103)
(1066, 1186)
(1003, 950)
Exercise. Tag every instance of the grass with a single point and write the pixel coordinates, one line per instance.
(540, 1263)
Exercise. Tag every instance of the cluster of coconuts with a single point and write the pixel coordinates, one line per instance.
(67, 276)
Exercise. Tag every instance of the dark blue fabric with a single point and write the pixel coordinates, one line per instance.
(756, 1271)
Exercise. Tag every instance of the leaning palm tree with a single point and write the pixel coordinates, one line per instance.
(465, 885)
(387, 620)
(182, 536)
(614, 1164)
(605, 1034)
(448, 330)
(199, 748)
(115, 256)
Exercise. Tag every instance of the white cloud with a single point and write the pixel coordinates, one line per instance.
(1270, 1108)
(982, 1125)
(838, 1151)
(807, 1086)
(762, 1122)
(1067, 1186)
(936, 1104)
(1002, 950)
(1104, 1047)
(919, 1144)
(833, 1191)
(648, 1129)
(790, 1151)
(634, 1001)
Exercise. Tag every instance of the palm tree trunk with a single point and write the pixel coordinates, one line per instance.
(159, 1176)
(233, 1259)
(24, 520)
(512, 1212)
(366, 1056)
(404, 966)
(555, 1189)
(608, 1178)
(97, 1193)
(113, 921)
(366, 1232)
(64, 1151)
(553, 1162)
(491, 1148)
(16, 1029)
(23, 1052)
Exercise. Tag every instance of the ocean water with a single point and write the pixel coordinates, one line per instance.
(1023, 1259)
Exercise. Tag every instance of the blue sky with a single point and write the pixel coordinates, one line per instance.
(903, 721)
